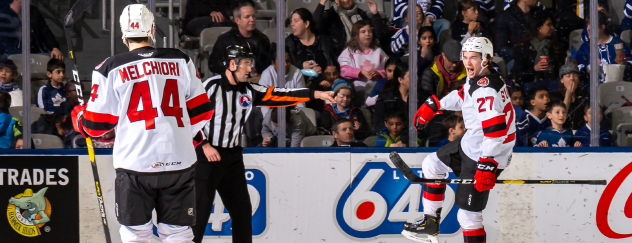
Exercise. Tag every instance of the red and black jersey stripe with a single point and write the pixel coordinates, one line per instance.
(199, 109)
(474, 236)
(97, 124)
(495, 127)
(461, 93)
(434, 192)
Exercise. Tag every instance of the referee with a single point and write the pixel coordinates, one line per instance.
(233, 99)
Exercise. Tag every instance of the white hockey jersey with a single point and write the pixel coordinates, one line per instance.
(488, 116)
(155, 100)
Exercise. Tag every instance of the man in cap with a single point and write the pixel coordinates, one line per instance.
(446, 69)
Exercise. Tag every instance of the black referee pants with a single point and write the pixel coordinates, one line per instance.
(227, 177)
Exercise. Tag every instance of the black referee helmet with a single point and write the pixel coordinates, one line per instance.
(237, 52)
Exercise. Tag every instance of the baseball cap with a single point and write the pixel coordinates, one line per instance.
(452, 50)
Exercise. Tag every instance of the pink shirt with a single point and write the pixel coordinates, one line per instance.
(351, 64)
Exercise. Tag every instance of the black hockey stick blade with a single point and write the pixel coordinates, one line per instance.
(414, 178)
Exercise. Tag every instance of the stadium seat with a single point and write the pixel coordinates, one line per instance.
(318, 141)
(613, 95)
(444, 36)
(47, 141)
(502, 66)
(208, 37)
(16, 98)
(16, 111)
(74, 141)
(38, 65)
(370, 141)
(310, 114)
(367, 116)
(625, 36)
(575, 39)
(622, 124)
(367, 91)
(271, 33)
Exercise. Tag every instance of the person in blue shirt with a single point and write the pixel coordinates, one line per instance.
(381, 84)
(534, 119)
(9, 125)
(517, 100)
(8, 74)
(556, 135)
(606, 48)
(583, 134)
(456, 129)
(51, 95)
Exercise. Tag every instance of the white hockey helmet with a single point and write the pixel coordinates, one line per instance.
(478, 44)
(137, 21)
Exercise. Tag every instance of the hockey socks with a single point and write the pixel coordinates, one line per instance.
(433, 198)
(474, 235)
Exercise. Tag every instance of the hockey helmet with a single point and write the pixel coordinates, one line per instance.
(478, 44)
(137, 21)
(237, 53)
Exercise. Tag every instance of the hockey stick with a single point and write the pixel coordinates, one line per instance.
(72, 16)
(412, 177)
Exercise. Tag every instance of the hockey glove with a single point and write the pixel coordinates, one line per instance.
(76, 115)
(427, 111)
(485, 174)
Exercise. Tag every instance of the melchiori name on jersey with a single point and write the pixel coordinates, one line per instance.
(133, 72)
(47, 176)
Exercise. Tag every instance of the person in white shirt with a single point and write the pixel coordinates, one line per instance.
(293, 76)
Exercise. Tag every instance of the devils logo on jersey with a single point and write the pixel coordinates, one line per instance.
(483, 82)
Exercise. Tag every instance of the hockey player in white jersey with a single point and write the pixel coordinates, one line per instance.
(155, 100)
(481, 154)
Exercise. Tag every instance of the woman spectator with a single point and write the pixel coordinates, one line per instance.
(540, 55)
(465, 24)
(395, 97)
(344, 108)
(363, 60)
(572, 96)
(608, 53)
(307, 49)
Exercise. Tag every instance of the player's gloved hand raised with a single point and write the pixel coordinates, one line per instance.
(485, 174)
(427, 111)
(76, 114)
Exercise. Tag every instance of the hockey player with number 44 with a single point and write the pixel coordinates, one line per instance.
(155, 100)
(481, 154)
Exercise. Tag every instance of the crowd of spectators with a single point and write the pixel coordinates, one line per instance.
(362, 55)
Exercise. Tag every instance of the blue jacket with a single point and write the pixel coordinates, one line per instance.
(556, 138)
(607, 53)
(399, 43)
(443, 142)
(583, 135)
(377, 88)
(528, 127)
(50, 98)
(8, 130)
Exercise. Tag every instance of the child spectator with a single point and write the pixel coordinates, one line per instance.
(363, 60)
(8, 74)
(105, 141)
(556, 135)
(381, 84)
(456, 129)
(534, 119)
(395, 134)
(9, 125)
(517, 100)
(344, 108)
(466, 25)
(62, 128)
(427, 49)
(51, 95)
(583, 134)
(293, 76)
(399, 41)
(18, 142)
(607, 50)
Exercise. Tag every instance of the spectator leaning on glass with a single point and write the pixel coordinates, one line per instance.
(343, 134)
(540, 55)
(344, 108)
(42, 39)
(297, 126)
(293, 76)
(399, 41)
(466, 25)
(202, 14)
(8, 75)
(446, 69)
(245, 34)
(511, 26)
(337, 21)
(363, 60)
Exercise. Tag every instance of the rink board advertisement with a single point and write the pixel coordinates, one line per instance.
(358, 197)
(40, 198)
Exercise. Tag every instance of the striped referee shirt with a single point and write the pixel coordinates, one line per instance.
(233, 104)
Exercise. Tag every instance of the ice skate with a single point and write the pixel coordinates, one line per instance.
(428, 227)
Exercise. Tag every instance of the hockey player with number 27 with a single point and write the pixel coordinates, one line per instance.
(481, 154)
(156, 101)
